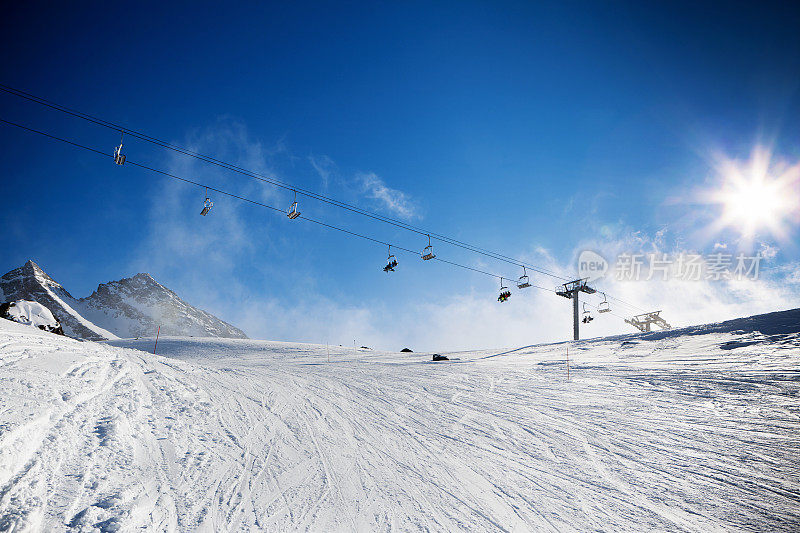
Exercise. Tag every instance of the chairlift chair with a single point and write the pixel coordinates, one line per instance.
(603, 307)
(119, 158)
(293, 213)
(427, 253)
(207, 204)
(523, 282)
(505, 294)
(587, 316)
(391, 261)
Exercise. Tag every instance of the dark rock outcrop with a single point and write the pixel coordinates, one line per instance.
(30, 282)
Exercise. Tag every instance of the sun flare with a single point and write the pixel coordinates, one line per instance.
(758, 197)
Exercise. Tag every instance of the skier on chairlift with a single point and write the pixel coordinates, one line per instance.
(390, 265)
(505, 294)
(391, 261)
(587, 317)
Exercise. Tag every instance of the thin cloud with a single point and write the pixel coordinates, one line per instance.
(191, 253)
(325, 167)
(392, 200)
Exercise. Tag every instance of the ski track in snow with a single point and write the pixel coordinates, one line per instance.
(238, 435)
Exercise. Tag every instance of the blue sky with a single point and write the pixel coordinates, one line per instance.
(534, 129)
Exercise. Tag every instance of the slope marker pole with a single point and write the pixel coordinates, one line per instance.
(568, 362)
(156, 344)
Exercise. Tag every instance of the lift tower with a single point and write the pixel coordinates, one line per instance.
(571, 290)
(642, 322)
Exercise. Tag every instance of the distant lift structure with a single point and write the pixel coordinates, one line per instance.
(570, 290)
(642, 322)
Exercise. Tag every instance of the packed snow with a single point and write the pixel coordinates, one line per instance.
(689, 430)
(31, 314)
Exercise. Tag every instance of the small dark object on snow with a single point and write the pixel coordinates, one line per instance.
(407, 350)
(366, 348)
(437, 357)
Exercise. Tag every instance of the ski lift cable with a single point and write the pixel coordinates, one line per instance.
(208, 187)
(232, 195)
(610, 312)
(255, 202)
(619, 300)
(318, 222)
(261, 204)
(623, 302)
(273, 181)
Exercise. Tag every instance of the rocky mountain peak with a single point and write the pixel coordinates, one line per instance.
(33, 272)
(31, 283)
(130, 307)
(141, 286)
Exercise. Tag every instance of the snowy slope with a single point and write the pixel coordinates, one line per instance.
(30, 282)
(697, 431)
(137, 306)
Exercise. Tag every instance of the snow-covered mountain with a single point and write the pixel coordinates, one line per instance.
(135, 307)
(30, 282)
(130, 307)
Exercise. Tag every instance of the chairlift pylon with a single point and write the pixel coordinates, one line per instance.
(427, 253)
(603, 307)
(391, 261)
(505, 294)
(207, 204)
(293, 213)
(523, 282)
(119, 157)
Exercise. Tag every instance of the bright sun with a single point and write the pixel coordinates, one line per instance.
(758, 196)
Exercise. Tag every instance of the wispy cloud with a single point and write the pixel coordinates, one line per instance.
(392, 200)
(366, 185)
(325, 167)
(200, 256)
